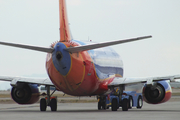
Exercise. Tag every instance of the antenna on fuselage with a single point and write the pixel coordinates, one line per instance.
(89, 40)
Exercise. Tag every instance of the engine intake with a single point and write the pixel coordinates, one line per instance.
(25, 93)
(158, 93)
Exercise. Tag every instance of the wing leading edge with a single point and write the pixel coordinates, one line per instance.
(149, 80)
(15, 80)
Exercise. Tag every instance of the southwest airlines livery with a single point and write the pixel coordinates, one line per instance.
(84, 69)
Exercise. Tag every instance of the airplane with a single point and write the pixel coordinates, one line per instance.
(83, 69)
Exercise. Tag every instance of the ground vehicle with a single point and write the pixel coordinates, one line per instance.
(128, 100)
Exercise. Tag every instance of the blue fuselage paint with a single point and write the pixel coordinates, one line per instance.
(62, 65)
(165, 84)
(106, 61)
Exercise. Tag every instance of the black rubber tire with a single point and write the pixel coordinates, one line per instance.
(130, 102)
(99, 105)
(114, 104)
(125, 104)
(43, 104)
(139, 102)
(53, 104)
(104, 105)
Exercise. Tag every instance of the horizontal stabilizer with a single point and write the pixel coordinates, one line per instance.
(36, 48)
(105, 44)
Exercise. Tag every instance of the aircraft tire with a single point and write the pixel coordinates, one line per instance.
(114, 105)
(99, 105)
(53, 104)
(43, 104)
(130, 102)
(139, 102)
(125, 104)
(104, 105)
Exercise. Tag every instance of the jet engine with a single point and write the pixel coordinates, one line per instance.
(159, 92)
(25, 93)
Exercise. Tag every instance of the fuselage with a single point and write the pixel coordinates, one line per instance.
(85, 73)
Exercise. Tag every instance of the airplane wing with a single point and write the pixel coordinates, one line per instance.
(15, 80)
(148, 80)
(104, 44)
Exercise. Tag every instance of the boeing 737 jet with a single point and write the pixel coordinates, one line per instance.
(84, 69)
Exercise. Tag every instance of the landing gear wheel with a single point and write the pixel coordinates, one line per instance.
(43, 104)
(99, 105)
(140, 102)
(102, 102)
(53, 104)
(130, 102)
(125, 104)
(104, 105)
(114, 104)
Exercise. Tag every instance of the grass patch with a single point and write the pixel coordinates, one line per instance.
(5, 96)
(175, 94)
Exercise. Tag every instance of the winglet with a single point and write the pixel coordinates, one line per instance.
(65, 34)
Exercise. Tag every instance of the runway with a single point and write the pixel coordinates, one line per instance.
(88, 111)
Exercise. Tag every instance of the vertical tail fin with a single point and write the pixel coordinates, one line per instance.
(65, 34)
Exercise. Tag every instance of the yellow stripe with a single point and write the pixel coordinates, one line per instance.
(168, 91)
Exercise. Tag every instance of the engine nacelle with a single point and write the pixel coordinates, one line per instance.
(158, 93)
(25, 93)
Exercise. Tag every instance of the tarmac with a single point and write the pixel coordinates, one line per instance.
(88, 111)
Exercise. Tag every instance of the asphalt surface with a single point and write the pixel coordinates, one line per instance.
(88, 111)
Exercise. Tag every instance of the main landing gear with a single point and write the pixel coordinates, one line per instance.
(48, 101)
(102, 102)
(120, 98)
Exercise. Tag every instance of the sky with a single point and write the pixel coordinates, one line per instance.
(36, 22)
